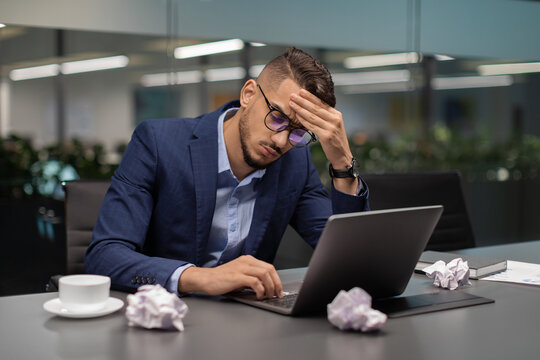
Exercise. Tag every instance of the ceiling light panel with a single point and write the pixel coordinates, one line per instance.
(507, 69)
(179, 78)
(106, 63)
(223, 74)
(371, 77)
(357, 62)
(217, 47)
(468, 82)
(34, 72)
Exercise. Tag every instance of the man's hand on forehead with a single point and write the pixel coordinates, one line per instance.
(326, 122)
(317, 116)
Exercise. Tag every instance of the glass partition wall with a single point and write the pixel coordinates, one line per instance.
(70, 99)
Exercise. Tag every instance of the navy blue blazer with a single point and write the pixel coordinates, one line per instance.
(158, 211)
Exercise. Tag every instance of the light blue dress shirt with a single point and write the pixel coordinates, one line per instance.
(235, 202)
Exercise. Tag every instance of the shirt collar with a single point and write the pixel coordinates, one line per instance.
(223, 159)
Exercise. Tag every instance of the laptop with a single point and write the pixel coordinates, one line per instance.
(374, 250)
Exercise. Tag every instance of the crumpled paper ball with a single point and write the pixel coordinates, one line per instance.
(451, 275)
(351, 310)
(153, 307)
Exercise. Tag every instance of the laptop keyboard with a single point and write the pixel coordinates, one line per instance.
(286, 301)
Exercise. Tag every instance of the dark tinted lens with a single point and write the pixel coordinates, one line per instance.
(275, 121)
(299, 137)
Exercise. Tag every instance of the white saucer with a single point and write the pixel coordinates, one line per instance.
(55, 306)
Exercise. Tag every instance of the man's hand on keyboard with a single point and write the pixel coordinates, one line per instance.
(243, 272)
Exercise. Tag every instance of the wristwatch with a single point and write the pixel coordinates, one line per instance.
(352, 171)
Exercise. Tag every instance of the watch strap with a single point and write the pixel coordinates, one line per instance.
(344, 173)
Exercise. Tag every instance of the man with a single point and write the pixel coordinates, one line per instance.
(200, 205)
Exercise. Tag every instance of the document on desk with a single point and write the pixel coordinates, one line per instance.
(518, 272)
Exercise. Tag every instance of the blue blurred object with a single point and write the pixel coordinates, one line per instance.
(48, 176)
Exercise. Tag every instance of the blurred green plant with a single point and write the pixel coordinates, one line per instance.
(25, 171)
(88, 160)
(16, 157)
(477, 157)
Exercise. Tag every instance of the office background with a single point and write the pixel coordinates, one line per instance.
(437, 110)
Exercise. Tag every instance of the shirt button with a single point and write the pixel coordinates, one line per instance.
(233, 227)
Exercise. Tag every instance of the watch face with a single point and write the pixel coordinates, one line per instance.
(355, 168)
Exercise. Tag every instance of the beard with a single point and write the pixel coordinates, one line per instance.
(245, 135)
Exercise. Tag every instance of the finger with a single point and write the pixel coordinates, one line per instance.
(308, 119)
(269, 276)
(313, 98)
(264, 278)
(272, 273)
(315, 118)
(312, 107)
(313, 104)
(255, 285)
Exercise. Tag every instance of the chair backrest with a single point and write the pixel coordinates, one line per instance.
(395, 190)
(83, 200)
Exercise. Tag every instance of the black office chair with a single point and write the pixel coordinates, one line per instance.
(82, 202)
(397, 190)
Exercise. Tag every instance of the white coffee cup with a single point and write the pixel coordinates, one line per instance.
(84, 293)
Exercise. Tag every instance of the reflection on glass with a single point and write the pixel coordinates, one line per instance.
(106, 81)
(404, 111)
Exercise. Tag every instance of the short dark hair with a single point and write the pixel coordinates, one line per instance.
(305, 70)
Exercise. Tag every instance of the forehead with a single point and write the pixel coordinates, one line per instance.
(287, 87)
(280, 96)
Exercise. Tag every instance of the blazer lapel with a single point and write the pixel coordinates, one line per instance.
(204, 161)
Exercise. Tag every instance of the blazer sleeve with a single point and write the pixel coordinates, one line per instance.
(315, 206)
(124, 218)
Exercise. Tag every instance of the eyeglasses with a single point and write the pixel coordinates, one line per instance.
(276, 121)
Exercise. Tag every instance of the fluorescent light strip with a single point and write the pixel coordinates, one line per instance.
(256, 70)
(506, 69)
(2, 25)
(185, 52)
(181, 77)
(189, 77)
(257, 44)
(376, 88)
(71, 67)
(196, 76)
(106, 63)
(160, 79)
(34, 72)
(223, 74)
(357, 62)
(236, 73)
(4, 108)
(439, 57)
(467, 82)
(464, 82)
(372, 77)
